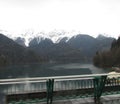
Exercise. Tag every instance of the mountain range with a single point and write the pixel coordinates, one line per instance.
(77, 48)
(80, 47)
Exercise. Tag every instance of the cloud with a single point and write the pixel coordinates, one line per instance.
(87, 16)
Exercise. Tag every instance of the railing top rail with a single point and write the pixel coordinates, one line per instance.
(55, 77)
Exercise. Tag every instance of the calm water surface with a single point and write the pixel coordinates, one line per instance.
(44, 70)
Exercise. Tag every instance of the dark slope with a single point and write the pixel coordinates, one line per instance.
(13, 53)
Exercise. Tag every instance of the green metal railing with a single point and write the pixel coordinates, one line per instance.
(48, 89)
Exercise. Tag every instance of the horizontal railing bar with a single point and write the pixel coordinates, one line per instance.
(55, 77)
(21, 82)
(73, 79)
(15, 82)
(25, 92)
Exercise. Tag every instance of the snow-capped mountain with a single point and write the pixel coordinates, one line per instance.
(56, 36)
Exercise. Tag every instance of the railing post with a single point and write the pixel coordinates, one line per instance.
(47, 92)
(50, 87)
(51, 90)
(99, 84)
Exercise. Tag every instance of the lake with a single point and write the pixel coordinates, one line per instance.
(44, 70)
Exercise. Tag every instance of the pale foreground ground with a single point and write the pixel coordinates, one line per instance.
(109, 99)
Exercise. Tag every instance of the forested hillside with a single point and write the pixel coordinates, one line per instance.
(59, 52)
(109, 58)
(13, 53)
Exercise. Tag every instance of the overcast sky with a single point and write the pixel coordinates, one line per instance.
(87, 16)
